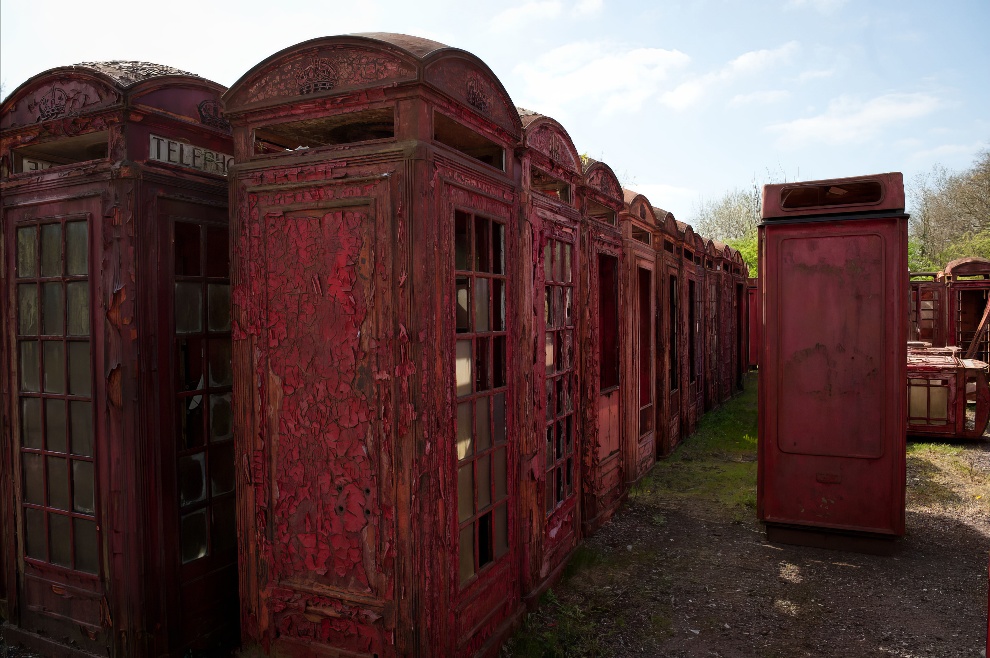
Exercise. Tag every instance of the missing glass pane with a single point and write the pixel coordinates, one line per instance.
(187, 249)
(217, 252)
(482, 245)
(486, 551)
(462, 241)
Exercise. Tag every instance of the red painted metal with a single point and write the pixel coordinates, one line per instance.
(939, 386)
(599, 314)
(112, 161)
(639, 357)
(755, 322)
(832, 415)
(551, 442)
(967, 294)
(379, 409)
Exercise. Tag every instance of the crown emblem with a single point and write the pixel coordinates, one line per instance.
(320, 75)
(477, 97)
(52, 104)
(210, 115)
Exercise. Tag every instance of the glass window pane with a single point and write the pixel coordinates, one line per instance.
(939, 402)
(187, 261)
(224, 524)
(484, 481)
(27, 252)
(465, 492)
(60, 539)
(221, 373)
(54, 367)
(31, 423)
(501, 475)
(498, 417)
(222, 468)
(35, 535)
(190, 421)
(918, 401)
(462, 241)
(51, 250)
(221, 418)
(192, 534)
(34, 478)
(465, 435)
(463, 304)
(79, 368)
(81, 427)
(76, 249)
(483, 432)
(481, 305)
(188, 307)
(77, 298)
(29, 363)
(192, 478)
(485, 552)
(466, 545)
(87, 548)
(58, 483)
(52, 309)
(217, 251)
(501, 530)
(189, 364)
(567, 263)
(27, 306)
(549, 352)
(55, 435)
(463, 369)
(218, 302)
(82, 487)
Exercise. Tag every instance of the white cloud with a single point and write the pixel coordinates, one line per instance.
(669, 197)
(526, 14)
(815, 74)
(821, 6)
(760, 98)
(848, 120)
(588, 7)
(617, 77)
(689, 93)
(946, 151)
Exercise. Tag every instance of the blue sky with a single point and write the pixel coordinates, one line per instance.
(684, 100)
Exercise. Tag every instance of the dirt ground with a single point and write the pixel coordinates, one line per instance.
(684, 569)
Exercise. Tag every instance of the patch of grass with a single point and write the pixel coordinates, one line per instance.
(716, 465)
(939, 477)
(584, 557)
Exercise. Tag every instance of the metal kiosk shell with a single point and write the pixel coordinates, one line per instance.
(833, 260)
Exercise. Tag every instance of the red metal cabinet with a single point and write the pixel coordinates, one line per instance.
(551, 442)
(379, 297)
(118, 453)
(833, 265)
(600, 314)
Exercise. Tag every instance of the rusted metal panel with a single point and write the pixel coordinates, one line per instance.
(382, 282)
(84, 193)
(833, 367)
(599, 314)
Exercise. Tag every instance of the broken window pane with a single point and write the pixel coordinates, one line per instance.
(189, 364)
(221, 417)
(52, 309)
(190, 421)
(221, 373)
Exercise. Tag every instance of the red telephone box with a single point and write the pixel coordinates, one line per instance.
(832, 422)
(599, 322)
(118, 464)
(692, 292)
(939, 386)
(640, 235)
(927, 318)
(377, 282)
(967, 285)
(669, 263)
(551, 443)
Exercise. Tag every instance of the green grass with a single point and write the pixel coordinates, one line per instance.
(716, 465)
